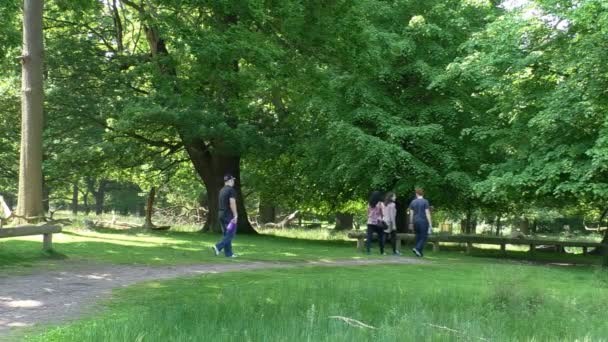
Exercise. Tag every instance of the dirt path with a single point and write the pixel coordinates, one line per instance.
(59, 296)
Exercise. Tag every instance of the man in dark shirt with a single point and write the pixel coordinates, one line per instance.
(420, 219)
(227, 215)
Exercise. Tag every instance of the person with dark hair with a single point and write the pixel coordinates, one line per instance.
(375, 221)
(227, 216)
(420, 219)
(389, 214)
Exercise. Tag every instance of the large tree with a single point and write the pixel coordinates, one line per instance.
(29, 202)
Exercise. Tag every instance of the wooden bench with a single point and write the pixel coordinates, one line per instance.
(435, 239)
(46, 232)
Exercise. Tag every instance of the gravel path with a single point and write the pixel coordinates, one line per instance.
(59, 296)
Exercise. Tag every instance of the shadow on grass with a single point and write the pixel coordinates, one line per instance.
(19, 253)
(197, 237)
(538, 257)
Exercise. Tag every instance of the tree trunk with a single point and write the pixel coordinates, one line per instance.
(46, 195)
(29, 202)
(268, 212)
(149, 208)
(212, 168)
(498, 225)
(100, 197)
(85, 200)
(525, 226)
(344, 221)
(402, 215)
(99, 194)
(467, 224)
(75, 199)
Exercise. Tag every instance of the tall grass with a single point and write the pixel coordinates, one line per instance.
(440, 302)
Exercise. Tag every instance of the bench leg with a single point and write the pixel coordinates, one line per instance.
(47, 242)
(360, 245)
(398, 244)
(584, 250)
(532, 248)
(503, 248)
(435, 246)
(469, 247)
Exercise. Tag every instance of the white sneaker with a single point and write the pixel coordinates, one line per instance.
(233, 256)
(215, 251)
(416, 252)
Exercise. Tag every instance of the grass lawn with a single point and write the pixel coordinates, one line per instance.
(160, 248)
(19, 255)
(451, 299)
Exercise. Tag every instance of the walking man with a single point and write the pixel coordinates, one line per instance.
(227, 216)
(420, 219)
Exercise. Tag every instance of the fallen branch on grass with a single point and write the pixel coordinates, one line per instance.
(353, 322)
(457, 332)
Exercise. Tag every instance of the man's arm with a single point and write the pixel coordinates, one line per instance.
(411, 219)
(233, 208)
(428, 216)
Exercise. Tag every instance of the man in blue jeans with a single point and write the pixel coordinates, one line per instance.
(227, 214)
(420, 219)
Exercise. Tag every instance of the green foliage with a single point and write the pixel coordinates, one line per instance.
(547, 120)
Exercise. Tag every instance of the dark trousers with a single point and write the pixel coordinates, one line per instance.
(422, 233)
(226, 243)
(371, 229)
(394, 240)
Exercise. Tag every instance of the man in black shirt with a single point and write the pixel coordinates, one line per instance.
(227, 216)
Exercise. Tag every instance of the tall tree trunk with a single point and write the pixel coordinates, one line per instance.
(75, 198)
(344, 221)
(498, 225)
(212, 168)
(471, 222)
(29, 202)
(149, 208)
(268, 212)
(46, 196)
(402, 215)
(85, 200)
(525, 226)
(99, 194)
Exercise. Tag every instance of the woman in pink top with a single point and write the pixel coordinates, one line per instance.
(389, 214)
(374, 221)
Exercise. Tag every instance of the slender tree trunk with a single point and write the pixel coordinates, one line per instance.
(268, 212)
(99, 194)
(29, 202)
(344, 221)
(85, 200)
(211, 168)
(467, 223)
(149, 208)
(402, 215)
(498, 225)
(75, 199)
(525, 226)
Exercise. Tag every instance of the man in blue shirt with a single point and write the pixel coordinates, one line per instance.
(420, 219)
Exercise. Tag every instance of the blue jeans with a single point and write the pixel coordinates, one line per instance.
(422, 233)
(371, 229)
(226, 243)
